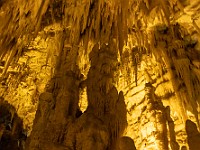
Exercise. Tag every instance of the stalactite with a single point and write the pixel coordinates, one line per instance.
(126, 66)
(136, 54)
(176, 58)
(96, 18)
(86, 23)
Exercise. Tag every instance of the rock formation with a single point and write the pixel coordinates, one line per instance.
(12, 135)
(193, 135)
(126, 143)
(99, 74)
(153, 122)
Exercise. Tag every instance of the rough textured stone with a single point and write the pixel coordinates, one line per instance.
(86, 74)
(193, 135)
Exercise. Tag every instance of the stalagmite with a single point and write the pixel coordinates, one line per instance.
(171, 127)
(153, 115)
(193, 135)
(99, 121)
(10, 127)
(99, 74)
(46, 104)
(126, 143)
(103, 98)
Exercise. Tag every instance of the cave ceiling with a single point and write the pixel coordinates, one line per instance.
(148, 49)
(89, 20)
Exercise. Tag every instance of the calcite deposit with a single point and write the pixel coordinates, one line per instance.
(99, 75)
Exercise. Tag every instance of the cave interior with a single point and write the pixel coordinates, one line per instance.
(99, 74)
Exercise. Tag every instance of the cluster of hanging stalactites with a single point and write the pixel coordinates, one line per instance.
(88, 20)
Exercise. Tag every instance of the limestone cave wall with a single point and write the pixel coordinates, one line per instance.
(105, 75)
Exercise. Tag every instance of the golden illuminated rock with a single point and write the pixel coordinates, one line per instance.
(99, 74)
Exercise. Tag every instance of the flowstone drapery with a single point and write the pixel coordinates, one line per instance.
(104, 120)
(174, 52)
(100, 126)
(103, 98)
(153, 122)
(58, 105)
(158, 39)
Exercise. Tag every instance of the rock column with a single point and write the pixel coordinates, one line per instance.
(153, 122)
